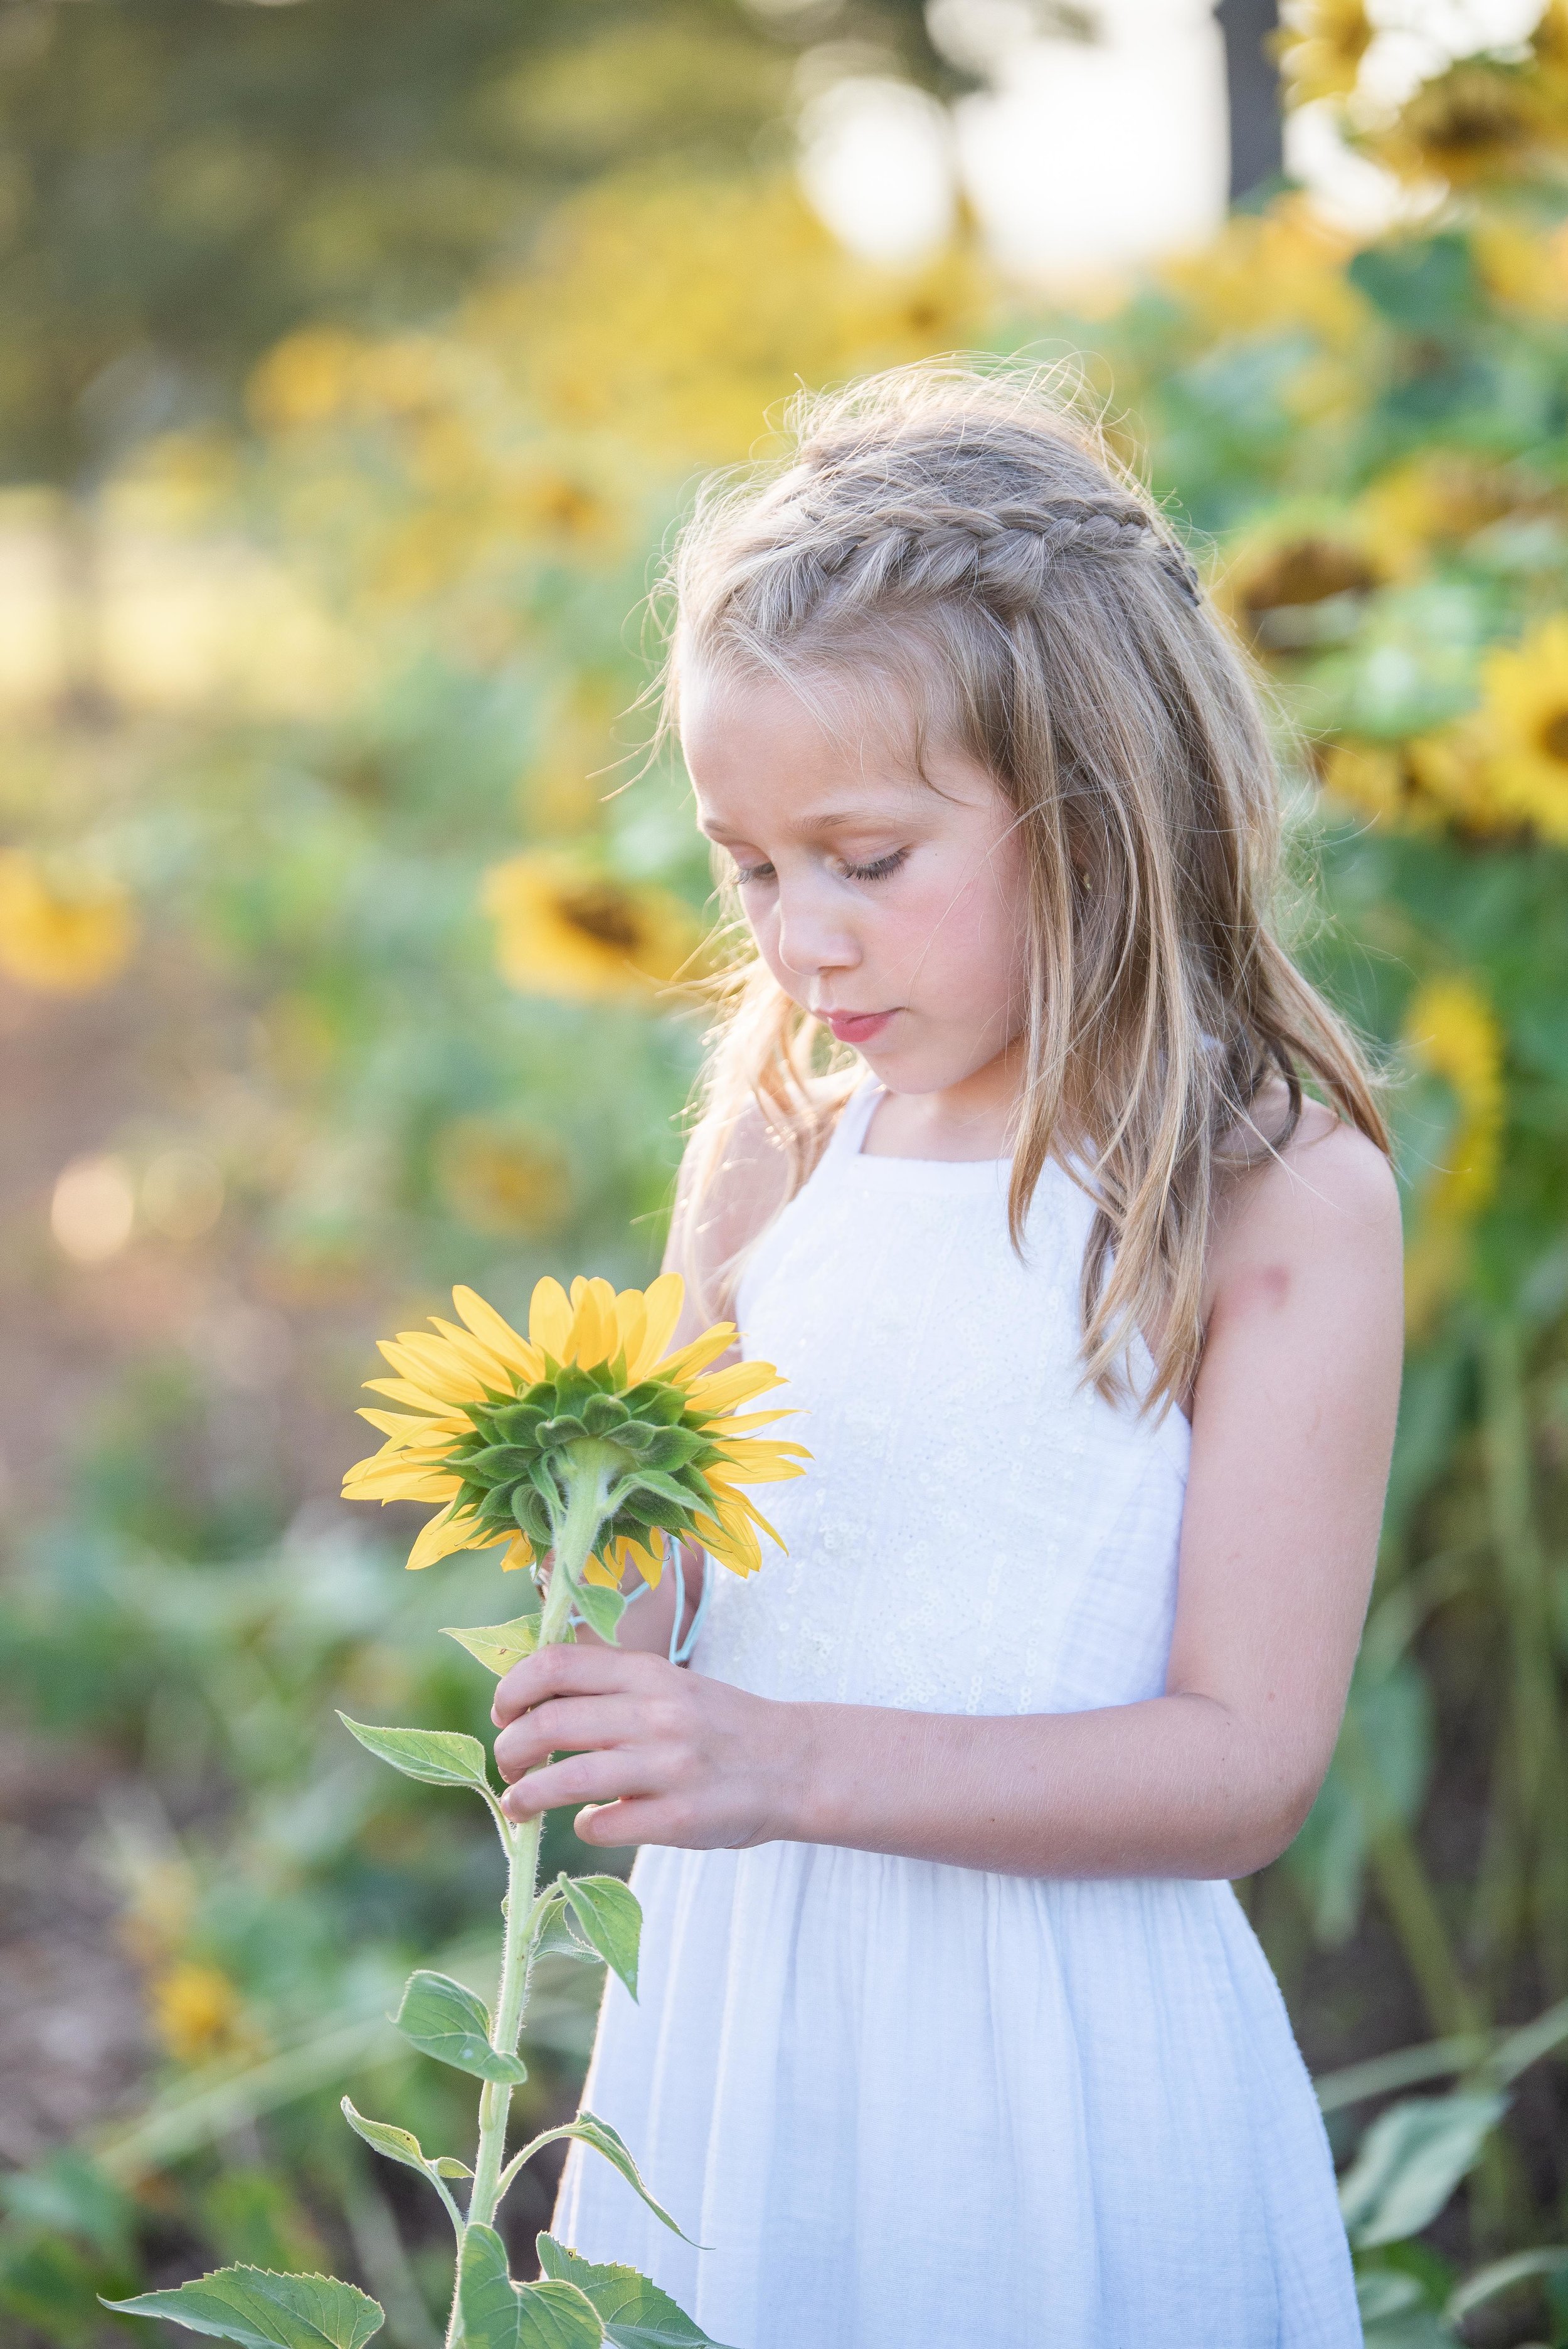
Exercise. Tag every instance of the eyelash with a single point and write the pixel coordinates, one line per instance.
(881, 869)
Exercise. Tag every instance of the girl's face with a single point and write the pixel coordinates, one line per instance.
(891, 906)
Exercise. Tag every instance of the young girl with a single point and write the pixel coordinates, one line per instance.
(952, 2031)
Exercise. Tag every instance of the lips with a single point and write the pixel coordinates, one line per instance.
(857, 1027)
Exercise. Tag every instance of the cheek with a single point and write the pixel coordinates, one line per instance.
(966, 946)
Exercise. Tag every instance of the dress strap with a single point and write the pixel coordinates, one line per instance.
(853, 1119)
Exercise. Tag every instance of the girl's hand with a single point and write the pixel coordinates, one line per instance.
(659, 1754)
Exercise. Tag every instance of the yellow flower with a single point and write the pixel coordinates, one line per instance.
(1434, 500)
(1482, 118)
(65, 934)
(196, 2011)
(493, 1426)
(1451, 1032)
(306, 380)
(1277, 269)
(564, 929)
(1432, 782)
(496, 1179)
(1298, 558)
(1321, 47)
(1526, 715)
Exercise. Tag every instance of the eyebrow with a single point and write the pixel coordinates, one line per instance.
(830, 821)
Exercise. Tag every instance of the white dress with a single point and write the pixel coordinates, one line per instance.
(906, 2106)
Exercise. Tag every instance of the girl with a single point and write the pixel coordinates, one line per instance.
(952, 2031)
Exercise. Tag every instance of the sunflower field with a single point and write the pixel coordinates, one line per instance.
(351, 948)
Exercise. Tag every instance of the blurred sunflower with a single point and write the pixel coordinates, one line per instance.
(1296, 560)
(1280, 268)
(61, 931)
(1481, 120)
(564, 929)
(1451, 1032)
(1434, 501)
(499, 1178)
(1526, 716)
(1432, 782)
(496, 1426)
(1320, 46)
(197, 2011)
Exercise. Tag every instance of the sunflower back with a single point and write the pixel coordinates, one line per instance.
(951, 554)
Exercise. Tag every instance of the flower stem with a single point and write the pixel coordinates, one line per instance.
(576, 1535)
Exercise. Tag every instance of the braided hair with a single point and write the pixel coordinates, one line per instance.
(954, 547)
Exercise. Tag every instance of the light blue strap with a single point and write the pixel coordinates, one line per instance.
(681, 1650)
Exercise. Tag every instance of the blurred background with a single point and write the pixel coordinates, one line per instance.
(357, 360)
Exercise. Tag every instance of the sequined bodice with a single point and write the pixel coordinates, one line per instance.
(977, 1532)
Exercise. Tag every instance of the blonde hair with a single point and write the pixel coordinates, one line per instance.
(957, 540)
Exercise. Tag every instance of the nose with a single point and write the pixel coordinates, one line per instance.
(813, 935)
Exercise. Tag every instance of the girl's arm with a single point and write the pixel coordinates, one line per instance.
(1292, 1429)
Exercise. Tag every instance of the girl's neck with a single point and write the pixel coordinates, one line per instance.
(971, 1120)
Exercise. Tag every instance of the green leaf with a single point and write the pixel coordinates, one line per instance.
(439, 1757)
(402, 2145)
(1410, 2161)
(610, 1916)
(264, 2311)
(555, 1933)
(1487, 2282)
(635, 2312)
(499, 2314)
(601, 1608)
(666, 1487)
(444, 2019)
(498, 1646)
(588, 2129)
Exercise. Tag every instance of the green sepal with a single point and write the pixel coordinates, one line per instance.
(555, 1933)
(496, 1464)
(442, 2019)
(496, 2314)
(603, 1415)
(609, 1915)
(438, 1757)
(498, 1646)
(264, 2311)
(402, 2145)
(635, 2312)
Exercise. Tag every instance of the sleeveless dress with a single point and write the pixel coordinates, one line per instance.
(906, 2106)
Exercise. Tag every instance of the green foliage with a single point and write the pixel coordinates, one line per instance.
(1411, 2160)
(610, 1919)
(634, 2313)
(498, 1646)
(442, 2019)
(438, 1757)
(499, 2314)
(264, 2311)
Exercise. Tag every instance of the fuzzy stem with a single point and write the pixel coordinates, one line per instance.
(578, 1530)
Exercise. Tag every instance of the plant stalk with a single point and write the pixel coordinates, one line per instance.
(575, 1534)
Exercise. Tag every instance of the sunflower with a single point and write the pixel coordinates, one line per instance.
(1321, 48)
(1451, 1032)
(1526, 716)
(62, 933)
(585, 1436)
(1482, 118)
(564, 929)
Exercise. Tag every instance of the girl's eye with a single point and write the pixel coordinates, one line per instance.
(745, 874)
(879, 869)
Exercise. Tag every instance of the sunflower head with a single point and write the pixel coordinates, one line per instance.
(586, 1421)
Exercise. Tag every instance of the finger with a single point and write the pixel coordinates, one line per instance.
(567, 1672)
(581, 1778)
(635, 1819)
(563, 1725)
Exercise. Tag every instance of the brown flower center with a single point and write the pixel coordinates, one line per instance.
(1307, 571)
(1553, 736)
(603, 914)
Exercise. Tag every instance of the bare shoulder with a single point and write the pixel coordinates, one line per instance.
(1324, 1208)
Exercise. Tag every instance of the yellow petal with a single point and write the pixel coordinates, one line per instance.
(396, 1483)
(631, 1326)
(444, 1375)
(684, 1367)
(751, 1463)
(738, 1384)
(735, 1508)
(401, 1428)
(648, 1561)
(485, 1365)
(401, 1391)
(549, 1319)
(738, 1550)
(720, 1430)
(500, 1336)
(595, 1334)
(518, 1552)
(662, 1304)
(595, 1570)
(446, 1533)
